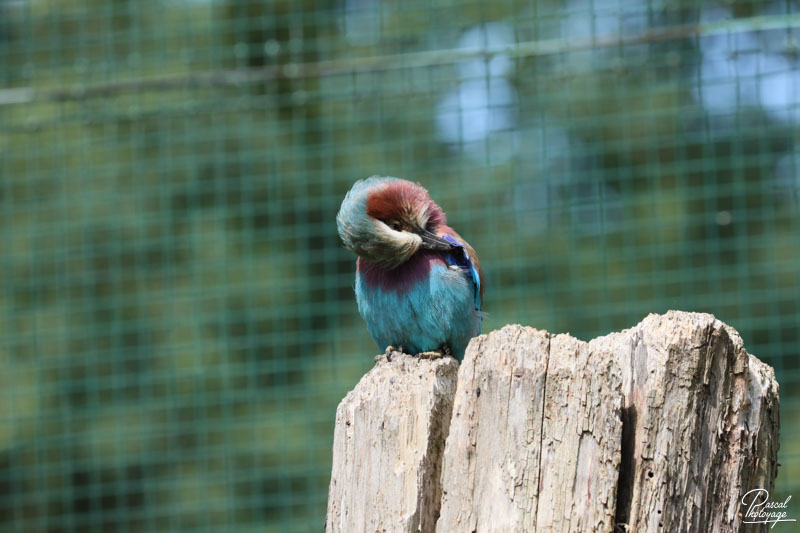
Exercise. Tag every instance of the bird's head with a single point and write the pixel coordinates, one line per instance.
(387, 220)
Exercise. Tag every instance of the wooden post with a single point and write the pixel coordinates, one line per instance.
(539, 446)
(700, 424)
(662, 427)
(388, 444)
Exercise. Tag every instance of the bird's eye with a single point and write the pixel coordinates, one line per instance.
(395, 226)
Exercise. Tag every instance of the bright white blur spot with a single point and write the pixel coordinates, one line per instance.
(491, 37)
(476, 108)
(747, 69)
(596, 18)
(479, 114)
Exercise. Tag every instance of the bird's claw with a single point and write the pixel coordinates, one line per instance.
(435, 354)
(391, 349)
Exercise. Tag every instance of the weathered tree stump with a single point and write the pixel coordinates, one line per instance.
(662, 427)
(388, 445)
(535, 437)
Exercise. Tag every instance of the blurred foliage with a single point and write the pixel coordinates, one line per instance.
(179, 318)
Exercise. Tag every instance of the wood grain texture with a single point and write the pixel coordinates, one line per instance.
(388, 444)
(701, 422)
(660, 427)
(538, 448)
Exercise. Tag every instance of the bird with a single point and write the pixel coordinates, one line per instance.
(418, 284)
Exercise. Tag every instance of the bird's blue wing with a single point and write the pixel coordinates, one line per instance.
(463, 261)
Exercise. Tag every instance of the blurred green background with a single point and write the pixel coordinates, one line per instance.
(178, 320)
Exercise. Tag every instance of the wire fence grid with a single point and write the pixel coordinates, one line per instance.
(179, 317)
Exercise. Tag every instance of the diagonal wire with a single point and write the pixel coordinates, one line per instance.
(241, 77)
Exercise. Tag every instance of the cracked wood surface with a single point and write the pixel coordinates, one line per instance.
(702, 424)
(387, 447)
(661, 427)
(538, 448)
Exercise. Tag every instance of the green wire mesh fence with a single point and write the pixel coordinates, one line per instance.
(178, 315)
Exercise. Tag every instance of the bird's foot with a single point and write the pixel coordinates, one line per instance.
(391, 349)
(442, 351)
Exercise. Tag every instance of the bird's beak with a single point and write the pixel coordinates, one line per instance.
(431, 241)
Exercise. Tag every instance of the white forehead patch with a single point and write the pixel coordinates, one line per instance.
(416, 217)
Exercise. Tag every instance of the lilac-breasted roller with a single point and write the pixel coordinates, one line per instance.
(418, 285)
